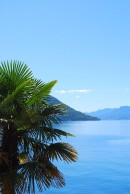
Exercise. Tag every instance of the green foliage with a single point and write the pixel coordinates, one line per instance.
(28, 138)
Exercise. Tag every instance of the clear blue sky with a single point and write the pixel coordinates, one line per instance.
(84, 44)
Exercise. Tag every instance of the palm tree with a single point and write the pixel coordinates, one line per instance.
(28, 136)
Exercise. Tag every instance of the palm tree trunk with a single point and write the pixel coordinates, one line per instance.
(10, 148)
(10, 145)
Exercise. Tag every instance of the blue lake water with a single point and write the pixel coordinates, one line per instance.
(103, 165)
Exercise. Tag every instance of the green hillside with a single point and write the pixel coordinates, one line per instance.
(72, 114)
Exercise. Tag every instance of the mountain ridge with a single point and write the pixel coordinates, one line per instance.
(72, 114)
(120, 113)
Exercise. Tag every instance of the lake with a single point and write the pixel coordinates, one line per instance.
(103, 165)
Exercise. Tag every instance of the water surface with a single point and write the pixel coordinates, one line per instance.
(103, 166)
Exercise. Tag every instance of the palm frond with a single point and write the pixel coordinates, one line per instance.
(15, 71)
(14, 95)
(48, 134)
(41, 92)
(12, 182)
(51, 112)
(43, 173)
(62, 151)
(30, 146)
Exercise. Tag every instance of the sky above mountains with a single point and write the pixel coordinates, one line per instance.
(85, 45)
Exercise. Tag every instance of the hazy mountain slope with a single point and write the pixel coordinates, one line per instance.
(112, 114)
(72, 115)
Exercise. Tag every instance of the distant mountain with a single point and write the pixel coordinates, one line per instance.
(120, 113)
(72, 115)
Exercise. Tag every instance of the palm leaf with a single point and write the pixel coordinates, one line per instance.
(10, 97)
(16, 71)
(41, 92)
(62, 151)
(43, 172)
